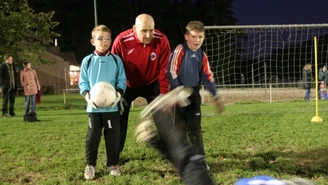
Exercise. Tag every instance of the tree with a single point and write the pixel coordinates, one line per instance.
(25, 34)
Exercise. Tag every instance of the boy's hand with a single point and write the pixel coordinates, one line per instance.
(120, 102)
(87, 98)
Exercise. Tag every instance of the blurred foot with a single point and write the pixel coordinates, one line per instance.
(114, 170)
(145, 130)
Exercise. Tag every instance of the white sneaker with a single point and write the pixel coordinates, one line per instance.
(114, 170)
(89, 172)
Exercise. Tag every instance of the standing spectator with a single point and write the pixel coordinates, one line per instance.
(242, 80)
(30, 82)
(322, 79)
(189, 66)
(103, 66)
(145, 52)
(8, 84)
(307, 80)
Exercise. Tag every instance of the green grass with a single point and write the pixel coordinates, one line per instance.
(248, 139)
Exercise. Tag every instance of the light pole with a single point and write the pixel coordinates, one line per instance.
(95, 9)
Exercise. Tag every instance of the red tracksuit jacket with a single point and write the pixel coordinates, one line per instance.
(143, 63)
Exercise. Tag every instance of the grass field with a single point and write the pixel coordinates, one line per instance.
(248, 139)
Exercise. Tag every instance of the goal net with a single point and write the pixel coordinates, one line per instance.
(254, 56)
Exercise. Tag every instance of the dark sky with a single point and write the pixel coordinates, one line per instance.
(255, 12)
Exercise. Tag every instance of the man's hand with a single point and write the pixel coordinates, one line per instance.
(118, 99)
(219, 105)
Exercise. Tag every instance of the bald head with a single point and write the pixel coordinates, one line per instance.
(145, 19)
(144, 27)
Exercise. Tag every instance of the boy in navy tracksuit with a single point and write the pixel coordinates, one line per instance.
(189, 66)
(106, 67)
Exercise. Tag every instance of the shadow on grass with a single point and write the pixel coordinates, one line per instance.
(303, 163)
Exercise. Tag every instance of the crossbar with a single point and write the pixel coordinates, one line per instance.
(269, 26)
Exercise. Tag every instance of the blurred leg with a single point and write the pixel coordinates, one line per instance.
(191, 166)
(309, 94)
(195, 173)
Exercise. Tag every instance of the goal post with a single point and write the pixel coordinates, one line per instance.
(255, 55)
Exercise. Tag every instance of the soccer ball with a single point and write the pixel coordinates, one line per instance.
(103, 94)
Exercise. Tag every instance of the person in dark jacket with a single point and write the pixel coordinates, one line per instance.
(307, 80)
(8, 84)
(322, 80)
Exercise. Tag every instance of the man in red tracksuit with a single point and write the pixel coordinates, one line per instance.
(145, 53)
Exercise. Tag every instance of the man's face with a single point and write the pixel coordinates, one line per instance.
(195, 39)
(10, 60)
(101, 41)
(144, 31)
